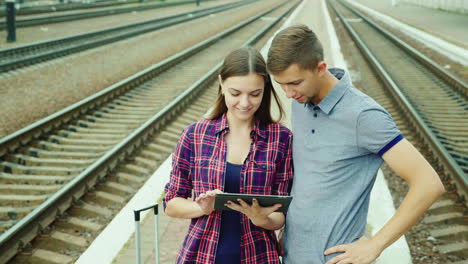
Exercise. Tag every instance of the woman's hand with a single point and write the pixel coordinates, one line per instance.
(258, 215)
(206, 201)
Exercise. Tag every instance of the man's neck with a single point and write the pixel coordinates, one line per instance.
(329, 81)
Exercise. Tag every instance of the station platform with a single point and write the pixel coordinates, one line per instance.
(444, 34)
(447, 25)
(172, 231)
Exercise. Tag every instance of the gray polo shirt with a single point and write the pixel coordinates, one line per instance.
(337, 152)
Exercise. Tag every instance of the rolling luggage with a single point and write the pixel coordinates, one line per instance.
(138, 235)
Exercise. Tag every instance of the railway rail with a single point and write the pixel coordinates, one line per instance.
(48, 19)
(40, 9)
(77, 168)
(22, 56)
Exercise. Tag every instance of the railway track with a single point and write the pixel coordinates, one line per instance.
(29, 10)
(429, 105)
(28, 22)
(77, 168)
(22, 56)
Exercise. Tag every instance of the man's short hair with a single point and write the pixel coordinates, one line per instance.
(294, 44)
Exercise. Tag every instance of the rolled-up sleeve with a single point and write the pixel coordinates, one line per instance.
(284, 170)
(180, 182)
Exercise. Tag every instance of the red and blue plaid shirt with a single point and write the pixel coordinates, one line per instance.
(199, 165)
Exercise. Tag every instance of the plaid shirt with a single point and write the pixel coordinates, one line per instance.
(199, 165)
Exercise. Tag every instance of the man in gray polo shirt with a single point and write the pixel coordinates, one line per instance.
(341, 138)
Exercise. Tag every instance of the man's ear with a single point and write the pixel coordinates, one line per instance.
(322, 67)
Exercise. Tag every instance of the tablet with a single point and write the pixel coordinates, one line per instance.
(263, 200)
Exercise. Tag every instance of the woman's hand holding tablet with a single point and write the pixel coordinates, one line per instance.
(222, 199)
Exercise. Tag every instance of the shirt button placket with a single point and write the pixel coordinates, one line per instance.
(316, 108)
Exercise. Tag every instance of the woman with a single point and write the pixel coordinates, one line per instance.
(238, 149)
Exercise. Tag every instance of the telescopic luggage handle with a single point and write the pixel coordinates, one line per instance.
(137, 233)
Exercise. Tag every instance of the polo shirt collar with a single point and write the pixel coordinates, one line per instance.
(334, 96)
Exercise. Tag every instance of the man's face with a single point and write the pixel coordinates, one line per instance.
(299, 84)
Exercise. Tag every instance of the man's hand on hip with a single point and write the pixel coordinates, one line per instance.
(362, 251)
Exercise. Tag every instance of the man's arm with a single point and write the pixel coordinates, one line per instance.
(425, 188)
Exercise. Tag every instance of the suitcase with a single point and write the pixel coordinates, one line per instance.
(138, 235)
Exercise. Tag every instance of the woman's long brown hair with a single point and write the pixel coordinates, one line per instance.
(241, 62)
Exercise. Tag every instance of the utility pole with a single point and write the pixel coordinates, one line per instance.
(10, 20)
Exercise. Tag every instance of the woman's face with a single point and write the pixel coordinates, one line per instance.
(243, 95)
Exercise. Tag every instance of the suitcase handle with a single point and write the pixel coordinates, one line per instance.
(137, 232)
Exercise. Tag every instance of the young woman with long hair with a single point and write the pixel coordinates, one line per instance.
(238, 149)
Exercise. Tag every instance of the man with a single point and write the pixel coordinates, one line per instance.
(341, 138)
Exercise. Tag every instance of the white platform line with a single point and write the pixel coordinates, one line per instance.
(288, 22)
(113, 238)
(337, 56)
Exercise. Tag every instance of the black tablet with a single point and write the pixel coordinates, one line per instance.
(263, 200)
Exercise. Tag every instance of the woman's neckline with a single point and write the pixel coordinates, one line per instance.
(235, 164)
